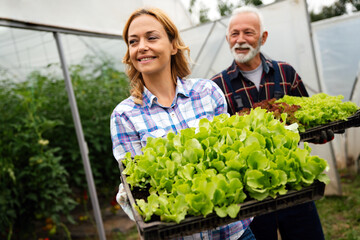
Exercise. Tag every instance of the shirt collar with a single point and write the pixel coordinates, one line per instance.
(181, 89)
(266, 63)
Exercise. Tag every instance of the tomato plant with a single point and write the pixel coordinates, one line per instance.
(40, 156)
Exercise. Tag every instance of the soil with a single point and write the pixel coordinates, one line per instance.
(115, 222)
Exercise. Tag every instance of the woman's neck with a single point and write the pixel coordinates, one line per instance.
(163, 87)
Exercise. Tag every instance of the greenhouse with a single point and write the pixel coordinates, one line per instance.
(61, 75)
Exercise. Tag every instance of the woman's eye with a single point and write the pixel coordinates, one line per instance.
(132, 41)
(152, 38)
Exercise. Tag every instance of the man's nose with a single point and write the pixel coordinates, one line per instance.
(240, 38)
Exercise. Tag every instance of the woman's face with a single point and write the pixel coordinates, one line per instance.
(149, 46)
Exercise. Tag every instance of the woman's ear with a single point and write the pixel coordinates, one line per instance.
(174, 49)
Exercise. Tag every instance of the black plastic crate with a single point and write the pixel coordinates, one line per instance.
(163, 230)
(341, 125)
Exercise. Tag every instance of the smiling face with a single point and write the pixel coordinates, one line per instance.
(150, 49)
(244, 37)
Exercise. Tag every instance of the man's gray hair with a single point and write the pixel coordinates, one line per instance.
(247, 9)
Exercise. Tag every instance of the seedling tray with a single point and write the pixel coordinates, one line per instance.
(193, 224)
(336, 126)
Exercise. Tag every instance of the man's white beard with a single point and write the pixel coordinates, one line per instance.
(244, 58)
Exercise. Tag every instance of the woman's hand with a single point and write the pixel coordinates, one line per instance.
(122, 199)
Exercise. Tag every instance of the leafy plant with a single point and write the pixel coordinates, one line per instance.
(339, 217)
(338, 8)
(98, 88)
(40, 157)
(277, 108)
(320, 109)
(219, 165)
(37, 186)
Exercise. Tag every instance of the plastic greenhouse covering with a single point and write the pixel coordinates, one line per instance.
(58, 34)
(337, 50)
(107, 16)
(325, 53)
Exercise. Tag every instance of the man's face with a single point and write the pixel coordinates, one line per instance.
(245, 57)
(244, 37)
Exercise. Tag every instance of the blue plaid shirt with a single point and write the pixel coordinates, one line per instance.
(131, 124)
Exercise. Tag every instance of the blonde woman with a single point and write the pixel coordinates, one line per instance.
(162, 100)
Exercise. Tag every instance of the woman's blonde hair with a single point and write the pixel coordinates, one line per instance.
(179, 63)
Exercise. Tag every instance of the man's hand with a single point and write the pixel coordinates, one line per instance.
(325, 136)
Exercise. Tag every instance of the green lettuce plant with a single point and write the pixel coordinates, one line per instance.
(320, 109)
(220, 164)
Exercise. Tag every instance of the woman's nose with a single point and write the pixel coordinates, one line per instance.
(143, 45)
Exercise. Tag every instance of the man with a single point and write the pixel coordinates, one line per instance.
(252, 78)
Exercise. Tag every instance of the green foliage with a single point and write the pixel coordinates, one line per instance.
(192, 4)
(338, 8)
(219, 165)
(33, 183)
(224, 7)
(98, 88)
(253, 2)
(40, 156)
(203, 15)
(320, 109)
(203, 11)
(340, 215)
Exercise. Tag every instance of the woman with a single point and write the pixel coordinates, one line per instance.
(161, 99)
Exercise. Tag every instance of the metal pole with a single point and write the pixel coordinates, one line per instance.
(331, 144)
(81, 140)
(312, 47)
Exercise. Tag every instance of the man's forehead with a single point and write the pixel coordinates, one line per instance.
(244, 20)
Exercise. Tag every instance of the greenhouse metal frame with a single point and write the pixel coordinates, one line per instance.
(213, 58)
(73, 105)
